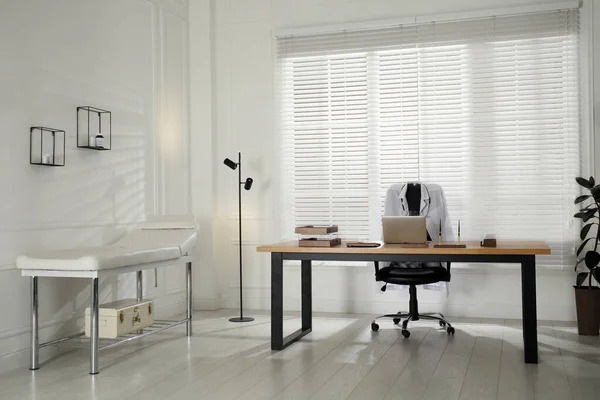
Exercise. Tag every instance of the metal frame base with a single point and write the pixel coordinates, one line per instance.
(94, 342)
(291, 338)
(80, 341)
(406, 317)
(241, 319)
(278, 342)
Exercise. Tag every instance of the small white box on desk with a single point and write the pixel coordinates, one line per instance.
(121, 317)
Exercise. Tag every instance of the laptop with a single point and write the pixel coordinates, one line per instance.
(405, 230)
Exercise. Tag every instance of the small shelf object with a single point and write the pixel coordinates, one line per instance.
(94, 128)
(46, 146)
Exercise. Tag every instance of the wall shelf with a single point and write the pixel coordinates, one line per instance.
(45, 146)
(93, 121)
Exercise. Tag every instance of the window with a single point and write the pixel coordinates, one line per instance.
(488, 109)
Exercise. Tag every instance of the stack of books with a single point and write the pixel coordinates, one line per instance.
(318, 236)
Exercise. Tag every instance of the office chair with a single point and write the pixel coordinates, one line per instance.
(412, 274)
(401, 274)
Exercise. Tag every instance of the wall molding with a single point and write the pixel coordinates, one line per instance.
(53, 226)
(7, 267)
(10, 333)
(178, 8)
(20, 359)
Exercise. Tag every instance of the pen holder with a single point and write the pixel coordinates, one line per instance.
(488, 243)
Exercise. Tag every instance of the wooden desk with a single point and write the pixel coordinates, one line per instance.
(517, 252)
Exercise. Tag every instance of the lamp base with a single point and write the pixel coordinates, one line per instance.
(241, 319)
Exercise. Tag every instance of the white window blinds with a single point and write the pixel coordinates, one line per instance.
(488, 109)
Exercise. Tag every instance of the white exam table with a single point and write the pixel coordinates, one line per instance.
(158, 243)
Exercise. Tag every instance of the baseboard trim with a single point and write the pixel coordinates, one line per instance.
(20, 359)
(207, 303)
(509, 311)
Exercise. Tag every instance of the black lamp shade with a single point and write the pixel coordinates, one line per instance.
(230, 164)
(248, 183)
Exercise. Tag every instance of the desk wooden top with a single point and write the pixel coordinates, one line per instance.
(522, 247)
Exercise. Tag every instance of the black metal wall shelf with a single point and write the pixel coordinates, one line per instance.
(49, 154)
(88, 118)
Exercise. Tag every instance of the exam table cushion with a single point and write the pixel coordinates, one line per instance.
(429, 273)
(136, 247)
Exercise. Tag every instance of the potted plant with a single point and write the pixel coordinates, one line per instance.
(587, 294)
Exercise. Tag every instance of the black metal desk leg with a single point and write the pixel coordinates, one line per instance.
(278, 342)
(306, 294)
(276, 301)
(528, 288)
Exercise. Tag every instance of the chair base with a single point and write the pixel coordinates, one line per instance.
(407, 317)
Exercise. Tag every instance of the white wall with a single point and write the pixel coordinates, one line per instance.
(243, 119)
(128, 56)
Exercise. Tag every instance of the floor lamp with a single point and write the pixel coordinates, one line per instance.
(247, 185)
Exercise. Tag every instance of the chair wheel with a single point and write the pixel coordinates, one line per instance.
(374, 327)
(405, 333)
(442, 324)
(450, 330)
(396, 321)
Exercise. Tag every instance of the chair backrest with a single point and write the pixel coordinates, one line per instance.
(432, 206)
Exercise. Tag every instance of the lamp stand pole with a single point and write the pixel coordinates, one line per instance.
(241, 318)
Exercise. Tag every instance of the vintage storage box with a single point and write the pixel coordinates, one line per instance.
(121, 317)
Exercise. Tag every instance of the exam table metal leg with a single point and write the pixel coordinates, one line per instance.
(139, 289)
(94, 305)
(35, 340)
(188, 279)
(278, 342)
(138, 284)
(528, 288)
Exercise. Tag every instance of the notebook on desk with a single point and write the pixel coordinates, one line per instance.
(405, 231)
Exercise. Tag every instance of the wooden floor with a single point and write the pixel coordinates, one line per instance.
(341, 359)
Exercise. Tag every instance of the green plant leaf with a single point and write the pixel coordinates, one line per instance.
(582, 245)
(596, 274)
(582, 198)
(592, 181)
(584, 182)
(577, 264)
(580, 214)
(585, 230)
(592, 258)
(589, 214)
(581, 277)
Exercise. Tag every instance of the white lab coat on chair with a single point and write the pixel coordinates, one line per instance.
(433, 208)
